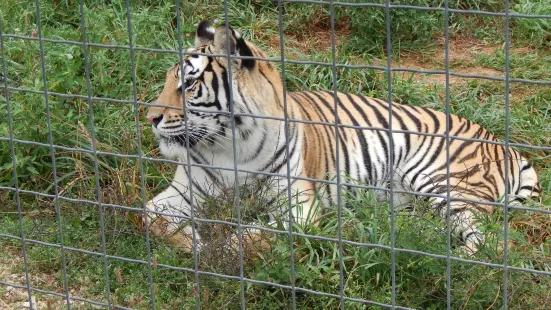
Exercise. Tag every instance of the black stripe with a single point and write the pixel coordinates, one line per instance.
(284, 161)
(260, 146)
(226, 86)
(278, 154)
(430, 162)
(244, 50)
(383, 120)
(325, 148)
(468, 235)
(338, 131)
(498, 162)
(213, 178)
(361, 136)
(248, 109)
(526, 167)
(531, 188)
(519, 199)
(382, 141)
(279, 104)
(202, 31)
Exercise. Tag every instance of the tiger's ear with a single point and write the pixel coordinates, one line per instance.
(237, 46)
(204, 33)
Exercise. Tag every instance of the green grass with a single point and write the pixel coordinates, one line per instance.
(420, 280)
(535, 32)
(531, 66)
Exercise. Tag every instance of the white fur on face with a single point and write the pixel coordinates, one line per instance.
(172, 150)
(198, 64)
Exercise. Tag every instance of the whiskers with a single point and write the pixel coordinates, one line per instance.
(214, 137)
(205, 135)
(173, 129)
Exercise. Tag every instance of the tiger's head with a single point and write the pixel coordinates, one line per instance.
(201, 87)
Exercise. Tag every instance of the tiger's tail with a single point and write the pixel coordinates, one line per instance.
(529, 187)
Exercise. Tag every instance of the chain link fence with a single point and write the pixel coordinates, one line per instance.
(141, 159)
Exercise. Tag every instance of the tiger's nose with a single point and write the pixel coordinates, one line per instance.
(155, 119)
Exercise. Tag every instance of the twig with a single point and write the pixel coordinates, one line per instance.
(495, 299)
(3, 302)
(69, 185)
(474, 287)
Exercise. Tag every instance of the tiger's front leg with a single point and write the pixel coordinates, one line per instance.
(300, 206)
(169, 213)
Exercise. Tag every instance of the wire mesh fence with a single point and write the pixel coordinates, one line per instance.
(142, 157)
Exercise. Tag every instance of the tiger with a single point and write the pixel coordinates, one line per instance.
(193, 116)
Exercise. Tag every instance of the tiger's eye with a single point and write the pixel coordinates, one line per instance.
(189, 83)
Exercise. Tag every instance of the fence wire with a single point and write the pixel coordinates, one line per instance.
(243, 280)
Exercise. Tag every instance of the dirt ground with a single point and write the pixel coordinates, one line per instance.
(14, 298)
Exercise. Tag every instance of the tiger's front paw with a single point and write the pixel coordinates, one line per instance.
(174, 228)
(469, 251)
(473, 243)
(253, 243)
